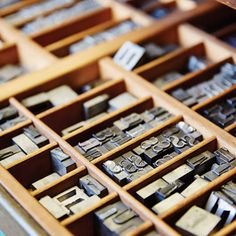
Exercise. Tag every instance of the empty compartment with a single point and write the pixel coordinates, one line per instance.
(215, 19)
(228, 35)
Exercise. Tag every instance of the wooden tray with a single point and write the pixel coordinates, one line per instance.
(45, 54)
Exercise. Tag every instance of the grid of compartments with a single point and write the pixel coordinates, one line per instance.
(153, 134)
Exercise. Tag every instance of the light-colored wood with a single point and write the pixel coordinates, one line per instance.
(170, 165)
(21, 195)
(144, 213)
(81, 68)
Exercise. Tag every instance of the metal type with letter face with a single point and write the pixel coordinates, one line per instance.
(72, 128)
(202, 162)
(80, 206)
(93, 153)
(37, 103)
(146, 145)
(15, 157)
(89, 144)
(10, 72)
(58, 154)
(61, 162)
(170, 189)
(70, 197)
(134, 166)
(198, 222)
(153, 51)
(9, 151)
(183, 173)
(138, 130)
(32, 133)
(195, 64)
(103, 36)
(120, 139)
(66, 167)
(8, 113)
(96, 106)
(147, 193)
(129, 56)
(57, 17)
(222, 114)
(225, 207)
(166, 79)
(163, 160)
(25, 144)
(223, 155)
(214, 86)
(212, 202)
(81, 124)
(105, 135)
(129, 121)
(196, 185)
(11, 123)
(58, 211)
(167, 203)
(116, 171)
(210, 176)
(222, 206)
(116, 219)
(44, 181)
(120, 101)
(229, 189)
(92, 186)
(35, 10)
(61, 95)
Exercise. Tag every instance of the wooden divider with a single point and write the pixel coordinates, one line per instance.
(38, 53)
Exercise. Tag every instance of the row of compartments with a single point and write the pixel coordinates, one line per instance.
(109, 19)
(60, 48)
(40, 166)
(90, 23)
(103, 124)
(84, 21)
(84, 80)
(211, 21)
